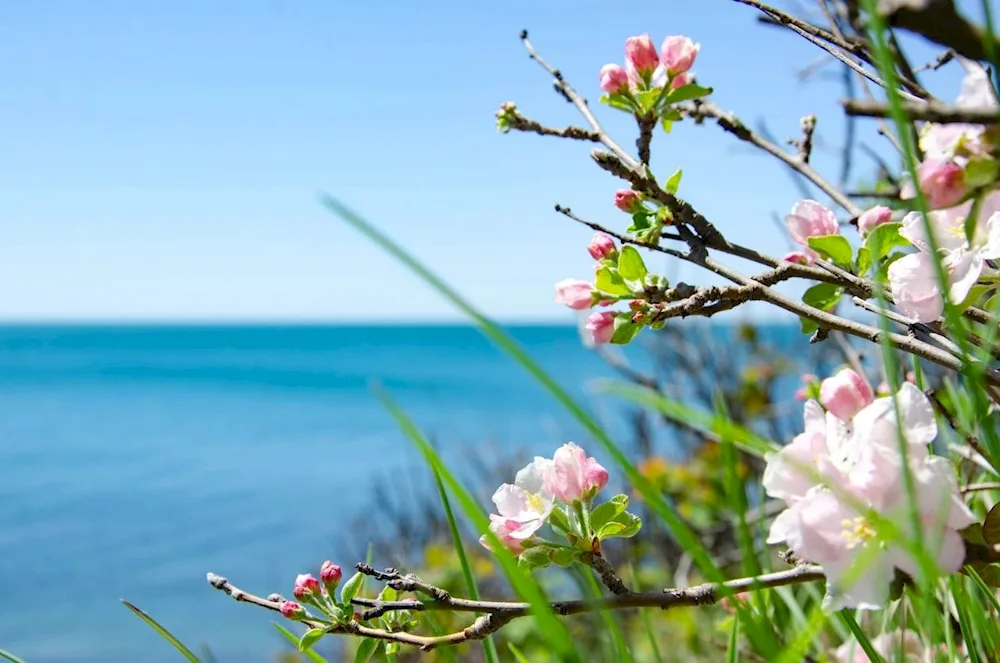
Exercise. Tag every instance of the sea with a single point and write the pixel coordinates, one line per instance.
(136, 459)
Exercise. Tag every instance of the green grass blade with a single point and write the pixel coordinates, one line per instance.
(178, 645)
(848, 620)
(292, 638)
(489, 645)
(647, 624)
(733, 650)
(6, 655)
(517, 653)
(654, 500)
(549, 626)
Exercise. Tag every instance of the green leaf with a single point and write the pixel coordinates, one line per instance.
(864, 260)
(178, 645)
(310, 637)
(640, 222)
(388, 594)
(883, 239)
(833, 247)
(563, 556)
(292, 638)
(10, 657)
(646, 99)
(609, 530)
(980, 171)
(559, 520)
(674, 182)
(533, 558)
(991, 526)
(625, 329)
(611, 282)
(668, 117)
(823, 296)
(687, 93)
(621, 500)
(618, 101)
(604, 513)
(624, 525)
(366, 649)
(848, 619)
(630, 264)
(351, 588)
(733, 648)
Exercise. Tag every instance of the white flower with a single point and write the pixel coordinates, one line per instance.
(522, 507)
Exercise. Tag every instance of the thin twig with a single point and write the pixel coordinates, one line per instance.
(934, 111)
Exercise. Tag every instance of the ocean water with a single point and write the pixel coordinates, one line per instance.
(133, 460)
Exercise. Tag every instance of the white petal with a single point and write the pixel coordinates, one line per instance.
(964, 269)
(919, 424)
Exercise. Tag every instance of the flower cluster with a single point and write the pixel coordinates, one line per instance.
(320, 593)
(620, 275)
(558, 491)
(844, 476)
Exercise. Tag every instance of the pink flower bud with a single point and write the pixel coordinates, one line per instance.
(678, 54)
(614, 79)
(680, 80)
(601, 246)
(810, 219)
(575, 294)
(845, 394)
(574, 476)
(641, 53)
(601, 326)
(330, 574)
(798, 257)
(801, 394)
(942, 181)
(306, 586)
(292, 610)
(876, 216)
(628, 200)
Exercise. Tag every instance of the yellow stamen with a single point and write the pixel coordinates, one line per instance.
(535, 502)
(857, 531)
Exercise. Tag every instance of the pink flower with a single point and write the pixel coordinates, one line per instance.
(845, 394)
(680, 80)
(614, 79)
(678, 54)
(914, 287)
(522, 507)
(600, 327)
(601, 246)
(959, 141)
(292, 610)
(860, 458)
(628, 200)
(573, 476)
(798, 257)
(640, 53)
(575, 294)
(810, 219)
(876, 216)
(306, 586)
(330, 574)
(942, 181)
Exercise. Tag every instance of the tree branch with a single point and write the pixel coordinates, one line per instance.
(933, 111)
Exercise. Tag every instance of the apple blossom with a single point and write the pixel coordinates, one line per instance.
(573, 476)
(678, 54)
(942, 181)
(575, 294)
(330, 574)
(600, 327)
(680, 80)
(873, 217)
(845, 394)
(306, 586)
(522, 507)
(614, 79)
(601, 246)
(641, 54)
(628, 200)
(798, 257)
(958, 140)
(810, 219)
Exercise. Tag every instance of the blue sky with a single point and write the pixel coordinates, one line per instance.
(162, 160)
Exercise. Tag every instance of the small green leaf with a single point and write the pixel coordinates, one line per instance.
(388, 594)
(624, 525)
(883, 239)
(310, 637)
(646, 99)
(823, 296)
(563, 556)
(610, 281)
(533, 558)
(640, 221)
(603, 514)
(366, 649)
(391, 648)
(351, 588)
(621, 499)
(687, 93)
(291, 637)
(864, 261)
(980, 171)
(668, 117)
(625, 329)
(630, 264)
(991, 526)
(610, 530)
(834, 247)
(558, 520)
(618, 101)
(674, 182)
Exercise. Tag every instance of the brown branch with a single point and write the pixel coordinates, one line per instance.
(518, 122)
(733, 125)
(933, 111)
(977, 487)
(608, 575)
(646, 125)
(939, 22)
